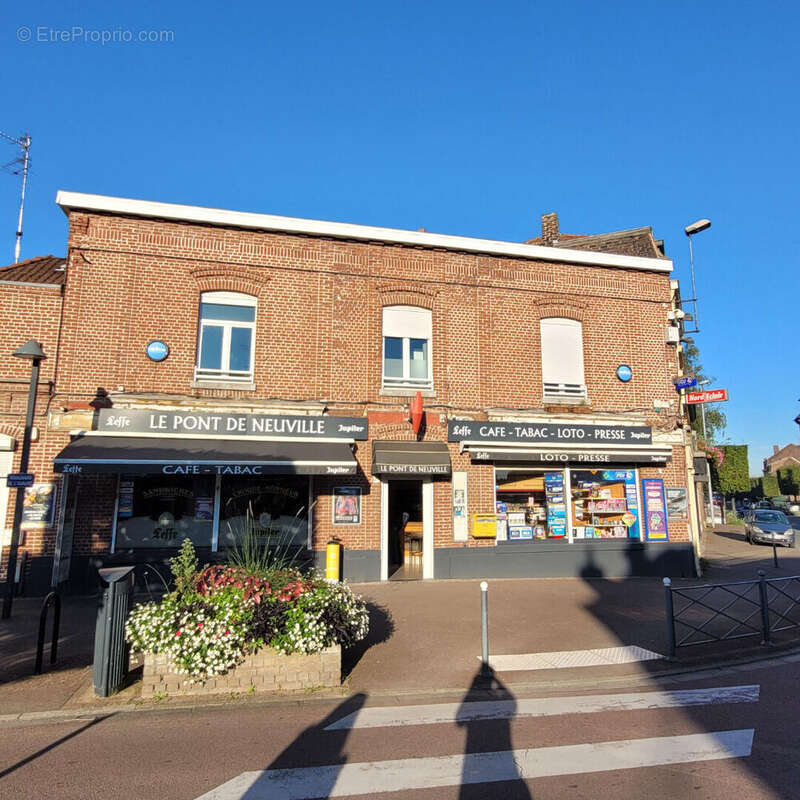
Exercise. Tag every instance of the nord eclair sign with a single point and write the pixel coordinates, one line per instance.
(112, 420)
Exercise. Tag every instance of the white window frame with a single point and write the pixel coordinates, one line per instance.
(225, 373)
(563, 390)
(407, 323)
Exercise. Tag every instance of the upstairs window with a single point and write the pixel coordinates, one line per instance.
(407, 333)
(562, 359)
(226, 339)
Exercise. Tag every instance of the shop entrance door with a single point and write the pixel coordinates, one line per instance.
(407, 530)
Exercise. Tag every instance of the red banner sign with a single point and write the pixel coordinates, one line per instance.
(714, 396)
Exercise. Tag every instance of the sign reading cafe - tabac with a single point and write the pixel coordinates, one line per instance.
(201, 423)
(461, 430)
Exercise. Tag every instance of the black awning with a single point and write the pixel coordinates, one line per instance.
(410, 459)
(177, 456)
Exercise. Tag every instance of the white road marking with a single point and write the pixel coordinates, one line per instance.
(373, 777)
(437, 713)
(572, 658)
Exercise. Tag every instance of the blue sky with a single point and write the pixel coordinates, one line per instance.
(462, 118)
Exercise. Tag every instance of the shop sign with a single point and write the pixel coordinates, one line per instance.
(411, 469)
(347, 505)
(461, 430)
(157, 350)
(655, 510)
(567, 456)
(713, 396)
(209, 423)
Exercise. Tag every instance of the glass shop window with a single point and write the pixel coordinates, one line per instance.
(605, 504)
(530, 504)
(276, 508)
(162, 511)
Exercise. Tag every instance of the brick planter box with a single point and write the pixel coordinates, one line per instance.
(265, 670)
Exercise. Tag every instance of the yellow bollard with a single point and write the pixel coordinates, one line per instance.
(332, 562)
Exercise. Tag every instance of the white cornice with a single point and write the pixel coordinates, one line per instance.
(342, 230)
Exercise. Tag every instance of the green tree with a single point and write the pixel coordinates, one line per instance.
(715, 418)
(733, 475)
(770, 484)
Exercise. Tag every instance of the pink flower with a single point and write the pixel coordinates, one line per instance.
(177, 633)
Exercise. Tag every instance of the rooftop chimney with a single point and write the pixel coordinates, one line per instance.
(775, 449)
(549, 229)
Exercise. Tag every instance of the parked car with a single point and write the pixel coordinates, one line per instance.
(794, 509)
(763, 504)
(768, 526)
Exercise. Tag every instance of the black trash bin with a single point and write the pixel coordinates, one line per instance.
(110, 649)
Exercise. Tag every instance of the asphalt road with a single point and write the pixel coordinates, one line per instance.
(743, 745)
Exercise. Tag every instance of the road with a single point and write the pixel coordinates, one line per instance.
(652, 740)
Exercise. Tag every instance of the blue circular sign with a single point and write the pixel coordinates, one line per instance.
(157, 350)
(624, 373)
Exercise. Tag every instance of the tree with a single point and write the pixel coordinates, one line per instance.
(715, 418)
(733, 474)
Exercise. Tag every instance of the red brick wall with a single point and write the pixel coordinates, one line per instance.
(318, 336)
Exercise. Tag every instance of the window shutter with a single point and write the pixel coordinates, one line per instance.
(407, 322)
(562, 351)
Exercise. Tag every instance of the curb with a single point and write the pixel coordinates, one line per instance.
(678, 674)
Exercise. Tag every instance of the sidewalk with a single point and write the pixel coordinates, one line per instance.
(426, 636)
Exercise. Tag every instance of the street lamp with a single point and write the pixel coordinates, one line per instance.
(691, 230)
(33, 352)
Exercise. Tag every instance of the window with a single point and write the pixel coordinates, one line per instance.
(562, 358)
(226, 338)
(407, 333)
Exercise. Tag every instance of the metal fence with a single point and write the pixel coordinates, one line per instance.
(721, 612)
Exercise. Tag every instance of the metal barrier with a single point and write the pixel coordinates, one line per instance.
(52, 599)
(725, 611)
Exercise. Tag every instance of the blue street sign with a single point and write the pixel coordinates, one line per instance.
(685, 383)
(15, 480)
(157, 350)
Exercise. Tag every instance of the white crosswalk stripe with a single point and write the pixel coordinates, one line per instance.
(373, 777)
(379, 776)
(436, 713)
(568, 659)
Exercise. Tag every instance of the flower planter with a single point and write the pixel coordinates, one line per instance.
(266, 670)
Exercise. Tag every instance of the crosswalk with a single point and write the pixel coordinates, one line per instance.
(374, 777)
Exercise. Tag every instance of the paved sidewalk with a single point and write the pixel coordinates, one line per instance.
(425, 636)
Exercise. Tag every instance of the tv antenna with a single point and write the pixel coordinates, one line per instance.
(19, 166)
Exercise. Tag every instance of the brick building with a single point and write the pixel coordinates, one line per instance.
(211, 370)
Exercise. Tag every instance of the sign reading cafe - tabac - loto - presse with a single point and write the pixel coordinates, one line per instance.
(202, 423)
(462, 430)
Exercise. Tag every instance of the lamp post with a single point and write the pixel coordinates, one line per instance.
(691, 230)
(32, 351)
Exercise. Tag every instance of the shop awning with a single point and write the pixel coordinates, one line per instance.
(178, 456)
(410, 459)
(572, 455)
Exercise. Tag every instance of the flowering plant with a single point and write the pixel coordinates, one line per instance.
(207, 626)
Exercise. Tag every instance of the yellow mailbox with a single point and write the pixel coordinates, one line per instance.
(484, 526)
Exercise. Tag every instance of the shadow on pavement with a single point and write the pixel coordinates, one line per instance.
(489, 736)
(52, 745)
(307, 749)
(381, 628)
(609, 608)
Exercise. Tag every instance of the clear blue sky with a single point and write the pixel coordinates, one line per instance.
(461, 117)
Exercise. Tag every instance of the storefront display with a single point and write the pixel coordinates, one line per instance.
(275, 507)
(604, 504)
(161, 511)
(530, 504)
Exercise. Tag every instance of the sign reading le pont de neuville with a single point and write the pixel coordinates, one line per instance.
(199, 423)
